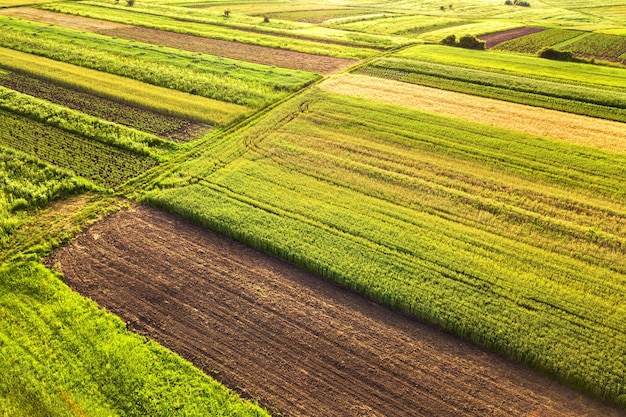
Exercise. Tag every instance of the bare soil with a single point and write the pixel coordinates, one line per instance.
(228, 49)
(60, 19)
(235, 50)
(494, 39)
(299, 345)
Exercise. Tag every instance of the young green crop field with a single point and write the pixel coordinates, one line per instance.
(506, 77)
(511, 238)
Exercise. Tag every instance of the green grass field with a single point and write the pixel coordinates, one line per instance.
(158, 99)
(510, 240)
(212, 77)
(313, 40)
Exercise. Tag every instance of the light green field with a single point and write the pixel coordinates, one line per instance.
(532, 66)
(511, 240)
(295, 36)
(17, 3)
(476, 29)
(154, 98)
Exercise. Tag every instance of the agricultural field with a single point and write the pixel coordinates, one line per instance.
(532, 43)
(316, 204)
(575, 88)
(583, 44)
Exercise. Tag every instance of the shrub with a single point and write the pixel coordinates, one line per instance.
(130, 3)
(471, 42)
(554, 54)
(449, 40)
(508, 3)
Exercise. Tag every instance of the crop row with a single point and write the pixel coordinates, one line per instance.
(133, 117)
(103, 164)
(84, 125)
(534, 42)
(509, 240)
(225, 80)
(528, 66)
(257, 34)
(123, 90)
(585, 100)
(601, 46)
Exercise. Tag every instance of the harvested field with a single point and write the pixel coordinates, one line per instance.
(234, 50)
(494, 39)
(553, 124)
(298, 344)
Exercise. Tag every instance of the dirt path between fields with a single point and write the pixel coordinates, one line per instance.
(298, 344)
(234, 50)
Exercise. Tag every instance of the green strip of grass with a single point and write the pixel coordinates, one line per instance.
(520, 65)
(60, 355)
(204, 75)
(159, 99)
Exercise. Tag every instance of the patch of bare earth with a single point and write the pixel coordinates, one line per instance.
(581, 130)
(235, 50)
(60, 19)
(494, 39)
(300, 345)
(227, 49)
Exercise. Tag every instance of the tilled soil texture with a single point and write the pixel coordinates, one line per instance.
(494, 39)
(167, 127)
(235, 50)
(227, 49)
(300, 345)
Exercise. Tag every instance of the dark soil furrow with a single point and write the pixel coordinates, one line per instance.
(299, 345)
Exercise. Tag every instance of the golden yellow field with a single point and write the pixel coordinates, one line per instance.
(567, 127)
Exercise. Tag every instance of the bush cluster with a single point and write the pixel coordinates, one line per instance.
(554, 54)
(520, 3)
(465, 41)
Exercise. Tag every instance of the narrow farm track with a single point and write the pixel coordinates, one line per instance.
(298, 344)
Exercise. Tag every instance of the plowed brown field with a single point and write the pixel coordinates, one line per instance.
(234, 50)
(298, 344)
(494, 39)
